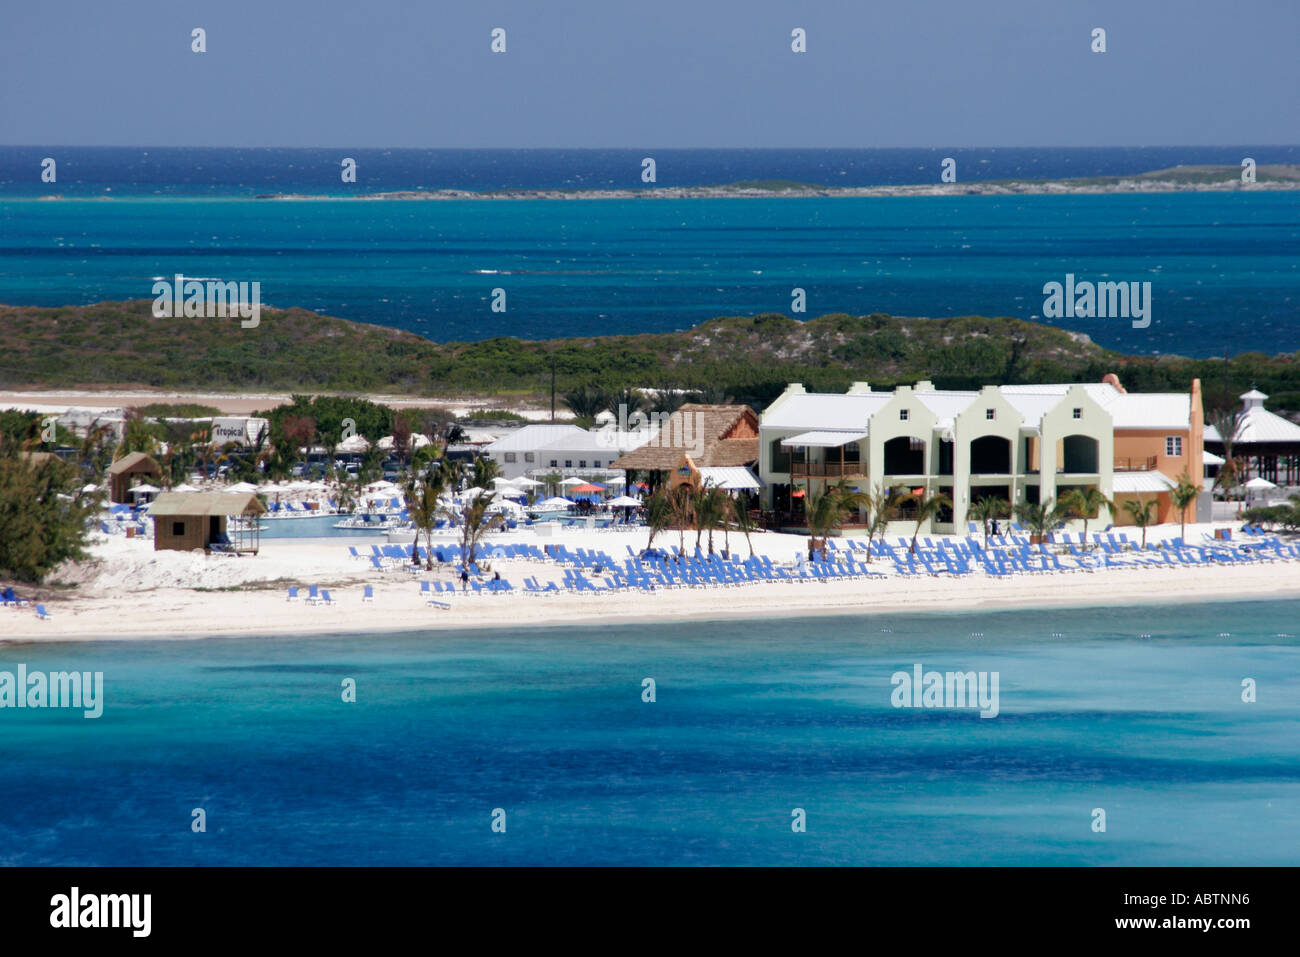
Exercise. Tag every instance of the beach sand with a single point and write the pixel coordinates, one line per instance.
(130, 591)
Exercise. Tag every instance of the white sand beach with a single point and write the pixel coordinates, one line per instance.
(127, 590)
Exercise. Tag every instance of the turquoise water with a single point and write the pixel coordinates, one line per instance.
(1135, 710)
(1224, 267)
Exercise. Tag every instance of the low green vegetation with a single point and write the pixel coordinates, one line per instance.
(746, 359)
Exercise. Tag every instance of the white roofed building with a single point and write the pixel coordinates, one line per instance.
(1025, 443)
(1269, 443)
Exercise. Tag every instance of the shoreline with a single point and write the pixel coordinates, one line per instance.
(246, 596)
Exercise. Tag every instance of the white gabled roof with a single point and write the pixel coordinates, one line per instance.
(825, 411)
(533, 437)
(1146, 481)
(946, 406)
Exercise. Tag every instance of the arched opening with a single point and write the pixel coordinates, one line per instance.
(990, 455)
(905, 456)
(1079, 454)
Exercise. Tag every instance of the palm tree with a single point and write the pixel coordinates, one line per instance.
(987, 510)
(826, 512)
(709, 514)
(477, 522)
(1086, 503)
(485, 470)
(423, 502)
(1041, 519)
(880, 504)
(1141, 512)
(681, 502)
(658, 515)
(1228, 423)
(586, 402)
(1183, 495)
(744, 522)
(927, 506)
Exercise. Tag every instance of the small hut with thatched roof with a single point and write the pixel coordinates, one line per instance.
(710, 436)
(123, 473)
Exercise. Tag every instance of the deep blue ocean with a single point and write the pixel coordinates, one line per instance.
(1136, 711)
(1224, 267)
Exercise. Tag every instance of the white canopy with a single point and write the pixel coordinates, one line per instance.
(1259, 484)
(242, 487)
(616, 480)
(822, 439)
(183, 487)
(573, 481)
(624, 501)
(145, 489)
(524, 482)
(355, 443)
(555, 502)
(729, 477)
(499, 481)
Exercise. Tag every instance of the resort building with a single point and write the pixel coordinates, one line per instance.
(1022, 444)
(566, 450)
(695, 443)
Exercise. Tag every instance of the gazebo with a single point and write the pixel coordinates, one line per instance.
(1269, 444)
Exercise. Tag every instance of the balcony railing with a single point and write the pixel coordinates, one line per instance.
(1135, 465)
(827, 469)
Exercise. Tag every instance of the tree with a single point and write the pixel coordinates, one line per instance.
(485, 470)
(1086, 503)
(1141, 513)
(1183, 495)
(826, 512)
(423, 502)
(658, 515)
(138, 435)
(927, 506)
(744, 522)
(1228, 423)
(44, 516)
(586, 402)
(986, 510)
(1041, 519)
(681, 502)
(476, 522)
(881, 505)
(712, 508)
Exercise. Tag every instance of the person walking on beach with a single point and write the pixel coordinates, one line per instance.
(464, 580)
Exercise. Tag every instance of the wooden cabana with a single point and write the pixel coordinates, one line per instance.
(183, 521)
(123, 473)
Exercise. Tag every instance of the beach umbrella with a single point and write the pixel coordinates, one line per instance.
(242, 487)
(797, 493)
(586, 489)
(183, 487)
(572, 481)
(514, 493)
(554, 502)
(473, 492)
(90, 488)
(525, 482)
(145, 489)
(624, 501)
(618, 480)
(1259, 484)
(499, 481)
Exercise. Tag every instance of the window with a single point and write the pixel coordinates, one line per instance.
(596, 464)
(904, 415)
(530, 456)
(555, 463)
(1078, 413)
(582, 463)
(568, 463)
(990, 414)
(1174, 446)
(178, 529)
(510, 456)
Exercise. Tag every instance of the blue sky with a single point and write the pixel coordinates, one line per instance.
(665, 73)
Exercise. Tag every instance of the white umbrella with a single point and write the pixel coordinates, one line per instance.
(242, 487)
(474, 492)
(183, 487)
(1259, 484)
(95, 488)
(554, 503)
(573, 481)
(514, 493)
(616, 480)
(525, 482)
(624, 501)
(355, 443)
(145, 489)
(499, 481)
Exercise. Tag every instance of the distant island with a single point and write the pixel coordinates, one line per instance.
(1176, 179)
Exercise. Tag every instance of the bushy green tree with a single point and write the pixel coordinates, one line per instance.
(44, 515)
